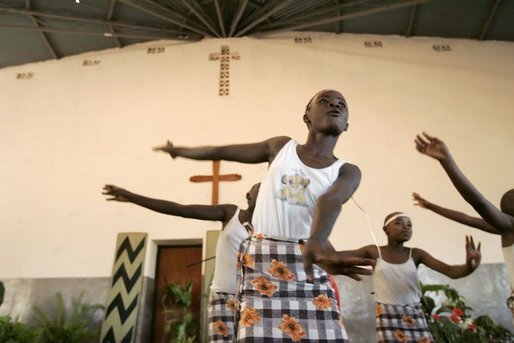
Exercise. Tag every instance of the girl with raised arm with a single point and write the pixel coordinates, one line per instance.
(399, 315)
(284, 294)
(221, 306)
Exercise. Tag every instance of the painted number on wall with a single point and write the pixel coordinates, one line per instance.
(158, 50)
(303, 40)
(24, 76)
(373, 44)
(441, 47)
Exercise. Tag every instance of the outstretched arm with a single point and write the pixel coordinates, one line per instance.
(246, 153)
(351, 262)
(203, 212)
(326, 212)
(473, 258)
(434, 147)
(457, 216)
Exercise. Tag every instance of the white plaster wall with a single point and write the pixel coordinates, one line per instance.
(71, 129)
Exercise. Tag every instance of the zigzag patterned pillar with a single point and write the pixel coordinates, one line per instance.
(124, 297)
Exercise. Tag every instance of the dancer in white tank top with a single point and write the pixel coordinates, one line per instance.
(326, 117)
(223, 287)
(399, 315)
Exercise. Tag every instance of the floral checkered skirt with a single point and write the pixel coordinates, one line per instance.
(401, 323)
(221, 310)
(275, 303)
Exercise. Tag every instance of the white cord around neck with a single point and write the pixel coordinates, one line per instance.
(369, 224)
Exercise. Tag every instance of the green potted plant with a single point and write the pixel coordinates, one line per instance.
(73, 327)
(451, 321)
(12, 331)
(176, 301)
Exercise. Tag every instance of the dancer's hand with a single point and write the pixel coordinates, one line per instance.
(473, 254)
(432, 146)
(344, 263)
(333, 262)
(419, 201)
(117, 193)
(168, 148)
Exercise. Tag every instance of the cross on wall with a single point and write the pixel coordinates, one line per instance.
(224, 57)
(215, 178)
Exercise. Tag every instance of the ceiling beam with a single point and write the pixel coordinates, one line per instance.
(201, 17)
(411, 21)
(90, 20)
(324, 10)
(43, 36)
(173, 13)
(357, 14)
(109, 17)
(143, 9)
(240, 10)
(489, 20)
(259, 10)
(260, 19)
(338, 24)
(91, 33)
(220, 17)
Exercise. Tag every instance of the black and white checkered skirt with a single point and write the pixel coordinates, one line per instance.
(221, 310)
(275, 302)
(401, 323)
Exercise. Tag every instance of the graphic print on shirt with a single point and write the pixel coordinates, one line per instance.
(293, 189)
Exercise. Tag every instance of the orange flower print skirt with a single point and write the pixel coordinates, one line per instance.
(401, 323)
(221, 311)
(275, 303)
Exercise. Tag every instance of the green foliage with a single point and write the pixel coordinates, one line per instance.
(12, 331)
(177, 302)
(176, 294)
(452, 323)
(74, 327)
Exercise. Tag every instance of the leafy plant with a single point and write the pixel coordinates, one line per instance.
(177, 302)
(451, 322)
(12, 331)
(74, 327)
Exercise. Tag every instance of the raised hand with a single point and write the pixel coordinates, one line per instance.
(117, 193)
(168, 148)
(473, 254)
(419, 201)
(431, 146)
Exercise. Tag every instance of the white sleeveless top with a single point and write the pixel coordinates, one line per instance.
(225, 267)
(396, 283)
(288, 194)
(508, 256)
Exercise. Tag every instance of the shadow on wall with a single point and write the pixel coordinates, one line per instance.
(486, 291)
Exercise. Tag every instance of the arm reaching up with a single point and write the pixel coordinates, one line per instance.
(457, 216)
(436, 148)
(473, 258)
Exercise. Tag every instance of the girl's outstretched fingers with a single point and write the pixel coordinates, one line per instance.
(473, 254)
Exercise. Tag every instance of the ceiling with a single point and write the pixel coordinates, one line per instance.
(38, 30)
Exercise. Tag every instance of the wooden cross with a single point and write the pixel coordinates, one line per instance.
(215, 178)
(225, 57)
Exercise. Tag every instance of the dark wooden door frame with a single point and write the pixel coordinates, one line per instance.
(183, 260)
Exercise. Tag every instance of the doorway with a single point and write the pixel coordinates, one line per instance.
(178, 265)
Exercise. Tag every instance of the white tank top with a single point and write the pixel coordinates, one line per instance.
(288, 194)
(225, 267)
(508, 256)
(396, 283)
